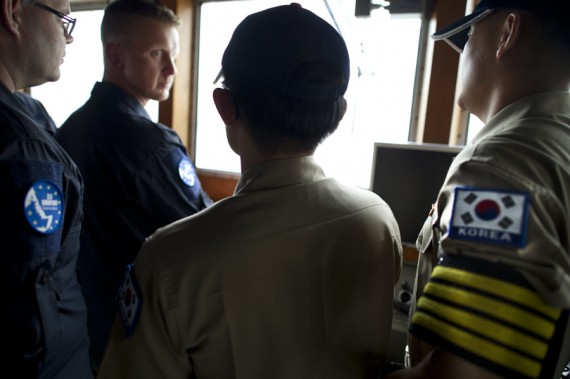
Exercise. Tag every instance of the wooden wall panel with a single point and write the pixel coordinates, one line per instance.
(442, 76)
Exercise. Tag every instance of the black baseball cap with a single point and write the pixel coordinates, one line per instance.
(268, 45)
(456, 34)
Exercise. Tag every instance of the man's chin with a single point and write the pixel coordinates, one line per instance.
(162, 96)
(53, 77)
(461, 102)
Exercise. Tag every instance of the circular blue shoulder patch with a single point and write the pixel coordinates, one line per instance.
(186, 171)
(43, 206)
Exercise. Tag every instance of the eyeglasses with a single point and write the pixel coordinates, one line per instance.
(67, 22)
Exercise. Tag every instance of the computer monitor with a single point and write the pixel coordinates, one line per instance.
(408, 177)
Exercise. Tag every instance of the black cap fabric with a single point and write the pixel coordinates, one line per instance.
(456, 34)
(266, 46)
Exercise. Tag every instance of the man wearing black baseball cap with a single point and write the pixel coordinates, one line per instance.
(497, 303)
(293, 276)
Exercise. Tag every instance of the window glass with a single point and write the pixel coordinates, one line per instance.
(82, 67)
(383, 51)
(474, 125)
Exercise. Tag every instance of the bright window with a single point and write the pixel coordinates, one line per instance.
(383, 51)
(473, 127)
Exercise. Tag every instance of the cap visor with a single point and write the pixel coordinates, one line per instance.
(456, 34)
(219, 77)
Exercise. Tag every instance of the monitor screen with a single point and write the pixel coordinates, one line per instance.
(408, 177)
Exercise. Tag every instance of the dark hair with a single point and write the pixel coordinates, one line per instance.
(552, 17)
(555, 27)
(119, 15)
(279, 123)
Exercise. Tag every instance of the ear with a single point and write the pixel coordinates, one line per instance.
(113, 55)
(226, 106)
(11, 15)
(510, 33)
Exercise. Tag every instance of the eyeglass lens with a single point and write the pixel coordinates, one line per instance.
(67, 22)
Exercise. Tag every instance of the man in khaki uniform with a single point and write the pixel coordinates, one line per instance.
(293, 276)
(497, 302)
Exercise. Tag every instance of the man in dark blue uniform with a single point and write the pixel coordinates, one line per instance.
(137, 174)
(43, 315)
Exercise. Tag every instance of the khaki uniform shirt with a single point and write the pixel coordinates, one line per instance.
(292, 277)
(500, 292)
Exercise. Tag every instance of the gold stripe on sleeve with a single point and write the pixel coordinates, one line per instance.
(491, 329)
(505, 312)
(479, 346)
(497, 287)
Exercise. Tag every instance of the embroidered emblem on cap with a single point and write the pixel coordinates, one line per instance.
(186, 171)
(489, 216)
(130, 301)
(43, 206)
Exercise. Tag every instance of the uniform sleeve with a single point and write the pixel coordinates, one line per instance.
(140, 344)
(32, 206)
(32, 201)
(515, 217)
(499, 294)
(168, 187)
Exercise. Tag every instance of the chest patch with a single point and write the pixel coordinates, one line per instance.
(130, 301)
(43, 206)
(489, 216)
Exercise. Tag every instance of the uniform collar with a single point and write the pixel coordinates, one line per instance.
(115, 94)
(547, 103)
(279, 173)
(11, 101)
(8, 98)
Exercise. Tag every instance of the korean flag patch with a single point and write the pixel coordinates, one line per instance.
(489, 216)
(130, 301)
